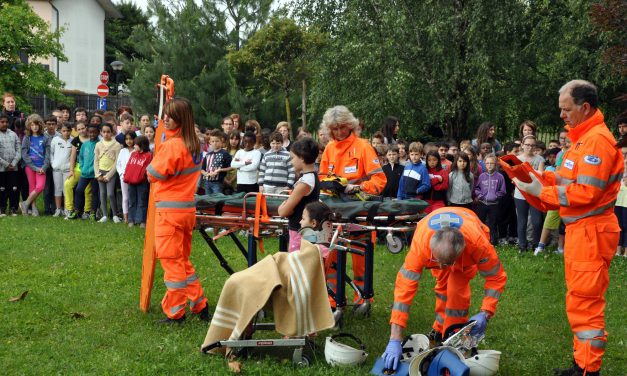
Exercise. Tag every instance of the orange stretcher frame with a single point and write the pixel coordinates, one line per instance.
(166, 92)
(514, 168)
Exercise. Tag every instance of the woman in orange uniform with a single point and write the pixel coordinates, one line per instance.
(173, 174)
(350, 157)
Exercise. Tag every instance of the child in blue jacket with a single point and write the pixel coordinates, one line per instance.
(415, 179)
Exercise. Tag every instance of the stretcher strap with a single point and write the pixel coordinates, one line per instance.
(261, 215)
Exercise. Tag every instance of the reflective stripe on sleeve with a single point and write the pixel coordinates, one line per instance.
(151, 170)
(492, 293)
(563, 181)
(401, 307)
(561, 195)
(456, 312)
(591, 180)
(176, 204)
(413, 276)
(491, 272)
(615, 178)
(187, 171)
(571, 219)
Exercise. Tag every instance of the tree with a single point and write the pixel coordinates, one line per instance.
(278, 53)
(25, 39)
(117, 33)
(188, 43)
(246, 16)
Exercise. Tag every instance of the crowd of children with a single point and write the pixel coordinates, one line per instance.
(82, 164)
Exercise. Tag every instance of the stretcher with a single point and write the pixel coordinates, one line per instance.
(355, 232)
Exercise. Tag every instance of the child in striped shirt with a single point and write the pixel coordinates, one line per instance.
(276, 172)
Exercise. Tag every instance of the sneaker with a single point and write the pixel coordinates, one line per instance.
(85, 215)
(503, 241)
(575, 370)
(92, 217)
(23, 208)
(560, 251)
(169, 321)
(142, 225)
(57, 213)
(4, 215)
(35, 212)
(103, 219)
(116, 219)
(130, 224)
(537, 251)
(13, 212)
(72, 215)
(513, 240)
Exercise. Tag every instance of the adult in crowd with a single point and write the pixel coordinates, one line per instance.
(390, 129)
(10, 155)
(524, 211)
(173, 174)
(526, 128)
(285, 129)
(350, 157)
(227, 124)
(454, 245)
(585, 189)
(17, 118)
(485, 134)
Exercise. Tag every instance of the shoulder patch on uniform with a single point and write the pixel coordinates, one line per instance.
(592, 159)
(446, 219)
(376, 160)
(569, 164)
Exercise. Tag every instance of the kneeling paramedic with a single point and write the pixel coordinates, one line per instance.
(454, 245)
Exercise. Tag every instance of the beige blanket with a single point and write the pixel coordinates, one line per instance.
(294, 284)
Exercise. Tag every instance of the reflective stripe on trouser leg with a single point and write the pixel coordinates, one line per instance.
(359, 271)
(458, 296)
(173, 232)
(331, 275)
(441, 283)
(587, 256)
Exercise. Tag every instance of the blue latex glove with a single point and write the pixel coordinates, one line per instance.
(392, 354)
(481, 320)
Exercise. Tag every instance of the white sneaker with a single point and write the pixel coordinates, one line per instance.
(537, 251)
(23, 208)
(85, 215)
(2, 215)
(103, 219)
(560, 251)
(57, 213)
(35, 212)
(116, 219)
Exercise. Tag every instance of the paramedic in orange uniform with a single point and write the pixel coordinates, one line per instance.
(356, 160)
(173, 174)
(585, 189)
(454, 245)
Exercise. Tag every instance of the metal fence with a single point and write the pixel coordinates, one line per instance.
(44, 106)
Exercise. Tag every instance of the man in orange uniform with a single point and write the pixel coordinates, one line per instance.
(350, 157)
(585, 188)
(173, 175)
(454, 245)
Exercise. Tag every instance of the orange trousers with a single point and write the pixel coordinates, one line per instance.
(452, 296)
(359, 271)
(589, 247)
(173, 243)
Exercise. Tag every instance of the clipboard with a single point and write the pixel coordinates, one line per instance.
(514, 168)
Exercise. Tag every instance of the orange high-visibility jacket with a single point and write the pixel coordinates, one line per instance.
(173, 159)
(356, 160)
(478, 253)
(589, 178)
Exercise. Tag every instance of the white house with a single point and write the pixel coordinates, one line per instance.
(83, 40)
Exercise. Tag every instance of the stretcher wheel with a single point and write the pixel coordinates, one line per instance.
(394, 244)
(304, 361)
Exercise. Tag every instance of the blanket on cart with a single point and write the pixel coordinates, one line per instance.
(294, 285)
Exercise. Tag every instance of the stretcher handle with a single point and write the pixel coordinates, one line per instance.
(210, 347)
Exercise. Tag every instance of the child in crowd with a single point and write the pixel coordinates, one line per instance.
(415, 179)
(488, 191)
(463, 144)
(233, 142)
(621, 209)
(246, 161)
(484, 149)
(60, 151)
(507, 210)
(307, 189)
(276, 171)
(120, 166)
(377, 139)
(127, 123)
(451, 154)
(75, 171)
(436, 196)
(36, 159)
(540, 148)
(106, 154)
(86, 158)
(553, 144)
(428, 147)
(475, 167)
(216, 163)
(523, 209)
(314, 215)
(460, 183)
(382, 151)
(552, 218)
(393, 172)
(443, 149)
(149, 132)
(135, 177)
(402, 152)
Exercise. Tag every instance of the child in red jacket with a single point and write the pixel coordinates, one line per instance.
(436, 196)
(135, 177)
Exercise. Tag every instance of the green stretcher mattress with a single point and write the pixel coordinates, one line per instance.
(217, 204)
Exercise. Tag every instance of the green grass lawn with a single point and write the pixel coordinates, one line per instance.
(81, 314)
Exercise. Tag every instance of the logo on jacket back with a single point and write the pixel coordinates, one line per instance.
(592, 159)
(442, 220)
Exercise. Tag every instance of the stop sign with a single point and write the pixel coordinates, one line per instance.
(103, 90)
(104, 77)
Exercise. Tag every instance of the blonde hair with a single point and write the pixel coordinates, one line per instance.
(34, 118)
(416, 147)
(339, 115)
